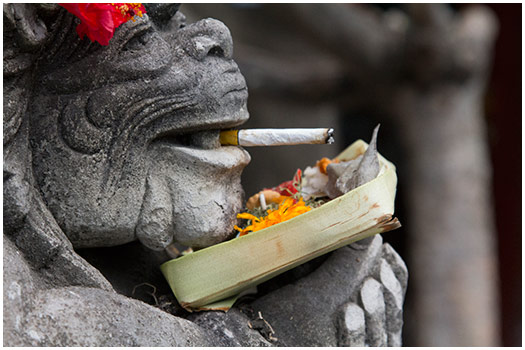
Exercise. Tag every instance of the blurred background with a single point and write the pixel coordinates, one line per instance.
(444, 81)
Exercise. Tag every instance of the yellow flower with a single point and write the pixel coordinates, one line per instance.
(287, 210)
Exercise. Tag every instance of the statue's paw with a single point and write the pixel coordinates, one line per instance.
(352, 297)
(303, 312)
(375, 318)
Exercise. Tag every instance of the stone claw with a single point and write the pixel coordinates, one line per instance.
(376, 317)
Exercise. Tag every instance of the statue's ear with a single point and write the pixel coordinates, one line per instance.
(26, 29)
(25, 32)
(161, 13)
(23, 21)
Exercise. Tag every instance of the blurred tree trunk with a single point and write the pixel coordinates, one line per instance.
(424, 67)
(452, 245)
(452, 240)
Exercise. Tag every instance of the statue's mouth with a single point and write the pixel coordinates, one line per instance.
(205, 150)
(193, 187)
(193, 190)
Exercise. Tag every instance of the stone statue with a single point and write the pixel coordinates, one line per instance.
(96, 155)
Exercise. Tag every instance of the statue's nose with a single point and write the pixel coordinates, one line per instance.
(207, 37)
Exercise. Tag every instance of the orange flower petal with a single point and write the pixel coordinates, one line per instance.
(287, 210)
(247, 216)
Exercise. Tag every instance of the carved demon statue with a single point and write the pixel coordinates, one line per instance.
(104, 145)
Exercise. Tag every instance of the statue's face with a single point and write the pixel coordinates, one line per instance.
(125, 137)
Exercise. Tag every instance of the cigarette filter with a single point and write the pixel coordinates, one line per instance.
(276, 137)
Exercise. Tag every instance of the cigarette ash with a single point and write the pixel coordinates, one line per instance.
(330, 137)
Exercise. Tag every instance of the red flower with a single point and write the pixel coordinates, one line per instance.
(99, 21)
(289, 188)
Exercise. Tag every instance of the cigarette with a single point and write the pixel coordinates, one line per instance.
(276, 137)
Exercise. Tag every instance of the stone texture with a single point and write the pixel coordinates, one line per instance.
(397, 264)
(93, 317)
(301, 312)
(140, 129)
(374, 307)
(352, 326)
(229, 329)
(78, 129)
(107, 145)
(394, 296)
(336, 301)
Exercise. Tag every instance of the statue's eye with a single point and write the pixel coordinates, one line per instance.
(139, 41)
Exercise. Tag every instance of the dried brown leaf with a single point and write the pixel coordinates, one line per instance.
(346, 176)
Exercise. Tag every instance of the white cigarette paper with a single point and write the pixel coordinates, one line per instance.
(276, 137)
